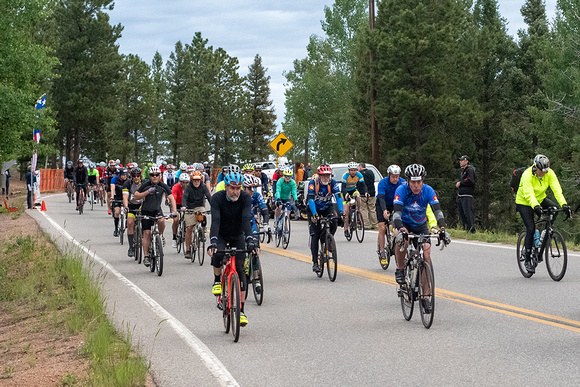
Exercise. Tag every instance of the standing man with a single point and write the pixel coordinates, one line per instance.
(8, 176)
(30, 180)
(465, 189)
(368, 203)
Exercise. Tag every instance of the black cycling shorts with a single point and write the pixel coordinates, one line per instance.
(380, 217)
(148, 223)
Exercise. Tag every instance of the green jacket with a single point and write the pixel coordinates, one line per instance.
(532, 190)
(284, 190)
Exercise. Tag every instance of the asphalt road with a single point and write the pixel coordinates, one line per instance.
(491, 327)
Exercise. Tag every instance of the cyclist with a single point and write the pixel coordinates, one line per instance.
(251, 182)
(410, 216)
(177, 192)
(169, 176)
(321, 189)
(263, 178)
(285, 190)
(146, 171)
(194, 196)
(81, 179)
(278, 175)
(93, 175)
(117, 183)
(231, 214)
(110, 172)
(131, 205)
(68, 173)
(221, 175)
(384, 205)
(151, 192)
(248, 169)
(353, 185)
(205, 177)
(207, 168)
(531, 198)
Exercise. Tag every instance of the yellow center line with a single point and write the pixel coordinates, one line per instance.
(494, 306)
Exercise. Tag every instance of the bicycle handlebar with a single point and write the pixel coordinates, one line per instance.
(554, 210)
(425, 236)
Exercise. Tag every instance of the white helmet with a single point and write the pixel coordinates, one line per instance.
(118, 161)
(197, 166)
(394, 170)
(154, 169)
(234, 168)
(184, 177)
(183, 166)
(352, 165)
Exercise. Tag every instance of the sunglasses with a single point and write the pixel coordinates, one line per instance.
(154, 174)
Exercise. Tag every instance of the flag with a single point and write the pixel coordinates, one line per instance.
(41, 102)
(36, 135)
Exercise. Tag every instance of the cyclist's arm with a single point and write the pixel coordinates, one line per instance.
(215, 217)
(278, 191)
(398, 215)
(556, 188)
(125, 197)
(294, 190)
(438, 214)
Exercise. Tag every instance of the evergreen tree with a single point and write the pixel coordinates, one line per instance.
(157, 127)
(178, 71)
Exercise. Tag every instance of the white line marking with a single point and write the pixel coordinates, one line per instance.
(213, 364)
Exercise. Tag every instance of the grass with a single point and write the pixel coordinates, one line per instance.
(34, 273)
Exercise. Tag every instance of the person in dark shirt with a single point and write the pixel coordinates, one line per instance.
(30, 180)
(465, 189)
(231, 215)
(117, 183)
(368, 203)
(131, 206)
(81, 179)
(151, 192)
(194, 197)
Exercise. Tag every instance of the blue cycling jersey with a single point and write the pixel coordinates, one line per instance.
(388, 189)
(322, 199)
(415, 206)
(258, 200)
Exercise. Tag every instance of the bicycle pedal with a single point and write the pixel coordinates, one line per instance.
(220, 306)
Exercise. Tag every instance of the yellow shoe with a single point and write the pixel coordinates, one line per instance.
(217, 288)
(384, 261)
(243, 320)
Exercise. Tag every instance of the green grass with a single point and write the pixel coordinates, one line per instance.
(34, 273)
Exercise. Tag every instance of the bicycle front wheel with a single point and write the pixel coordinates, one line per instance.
(180, 238)
(521, 255)
(406, 294)
(152, 253)
(331, 258)
(556, 256)
(192, 246)
(278, 233)
(426, 294)
(360, 227)
(235, 306)
(225, 303)
(159, 256)
(121, 229)
(200, 247)
(321, 258)
(286, 232)
(257, 279)
(137, 245)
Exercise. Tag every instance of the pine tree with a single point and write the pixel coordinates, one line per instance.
(157, 127)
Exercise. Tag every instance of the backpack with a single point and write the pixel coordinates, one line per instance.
(515, 179)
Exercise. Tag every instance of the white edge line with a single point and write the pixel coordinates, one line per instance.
(213, 364)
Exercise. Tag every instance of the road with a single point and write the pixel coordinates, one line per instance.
(491, 327)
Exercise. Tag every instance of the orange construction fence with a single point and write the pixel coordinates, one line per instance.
(52, 180)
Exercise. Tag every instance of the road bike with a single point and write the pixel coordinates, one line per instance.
(229, 301)
(282, 227)
(137, 236)
(419, 279)
(389, 245)
(181, 233)
(156, 245)
(91, 196)
(262, 233)
(327, 250)
(552, 247)
(81, 199)
(355, 220)
(122, 226)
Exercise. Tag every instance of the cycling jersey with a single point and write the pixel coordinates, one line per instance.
(414, 207)
(386, 193)
(93, 176)
(129, 189)
(101, 171)
(231, 219)
(194, 197)
(68, 173)
(177, 193)
(152, 202)
(285, 190)
(169, 177)
(118, 183)
(220, 186)
(320, 196)
(258, 200)
(352, 183)
(80, 175)
(532, 190)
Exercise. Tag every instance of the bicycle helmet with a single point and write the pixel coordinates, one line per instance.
(287, 172)
(353, 165)
(248, 181)
(542, 163)
(257, 181)
(183, 166)
(258, 166)
(233, 168)
(198, 166)
(136, 171)
(112, 162)
(184, 177)
(122, 171)
(169, 166)
(190, 169)
(118, 162)
(135, 165)
(130, 166)
(69, 162)
(324, 170)
(195, 175)
(415, 172)
(248, 167)
(225, 169)
(394, 170)
(154, 169)
(233, 179)
(164, 162)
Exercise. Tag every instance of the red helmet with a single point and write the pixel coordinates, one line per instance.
(112, 162)
(324, 170)
(169, 166)
(130, 166)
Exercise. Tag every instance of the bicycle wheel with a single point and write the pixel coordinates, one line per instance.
(321, 258)
(152, 253)
(192, 246)
(69, 195)
(225, 303)
(262, 235)
(351, 219)
(406, 294)
(137, 246)
(121, 228)
(159, 256)
(556, 256)
(426, 293)
(200, 247)
(180, 238)
(81, 201)
(360, 227)
(278, 233)
(257, 279)
(235, 306)
(92, 196)
(388, 242)
(521, 255)
(331, 257)
(286, 232)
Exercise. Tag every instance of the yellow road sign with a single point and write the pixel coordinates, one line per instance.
(281, 144)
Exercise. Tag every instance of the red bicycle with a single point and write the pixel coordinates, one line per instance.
(229, 301)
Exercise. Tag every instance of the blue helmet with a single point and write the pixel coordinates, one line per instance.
(69, 162)
(235, 179)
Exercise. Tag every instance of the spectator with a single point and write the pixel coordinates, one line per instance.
(30, 180)
(465, 188)
(3, 183)
(298, 172)
(8, 176)
(307, 172)
(368, 203)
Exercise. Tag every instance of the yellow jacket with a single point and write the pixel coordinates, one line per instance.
(220, 186)
(532, 190)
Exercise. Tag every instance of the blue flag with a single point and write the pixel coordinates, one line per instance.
(41, 102)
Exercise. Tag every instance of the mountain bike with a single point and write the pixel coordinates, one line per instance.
(282, 227)
(419, 279)
(552, 246)
(327, 250)
(355, 220)
(389, 245)
(81, 199)
(137, 237)
(156, 245)
(229, 301)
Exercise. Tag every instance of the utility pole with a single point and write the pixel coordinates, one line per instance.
(375, 154)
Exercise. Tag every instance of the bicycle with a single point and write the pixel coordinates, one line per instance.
(138, 235)
(81, 199)
(229, 301)
(91, 196)
(327, 251)
(122, 226)
(254, 273)
(181, 233)
(356, 223)
(70, 191)
(261, 226)
(156, 245)
(552, 246)
(282, 227)
(389, 245)
(419, 280)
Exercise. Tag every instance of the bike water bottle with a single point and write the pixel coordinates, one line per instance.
(542, 236)
(537, 239)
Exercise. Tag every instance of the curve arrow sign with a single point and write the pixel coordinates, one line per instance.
(280, 143)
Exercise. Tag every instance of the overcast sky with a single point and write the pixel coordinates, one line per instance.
(277, 30)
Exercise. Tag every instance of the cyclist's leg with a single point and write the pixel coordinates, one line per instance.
(188, 237)
(314, 230)
(146, 225)
(382, 227)
(346, 210)
(527, 214)
(161, 224)
(216, 262)
(240, 260)
(130, 228)
(175, 226)
(116, 213)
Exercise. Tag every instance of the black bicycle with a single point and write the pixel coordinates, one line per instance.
(355, 221)
(181, 233)
(327, 250)
(389, 246)
(419, 280)
(155, 245)
(138, 235)
(552, 246)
